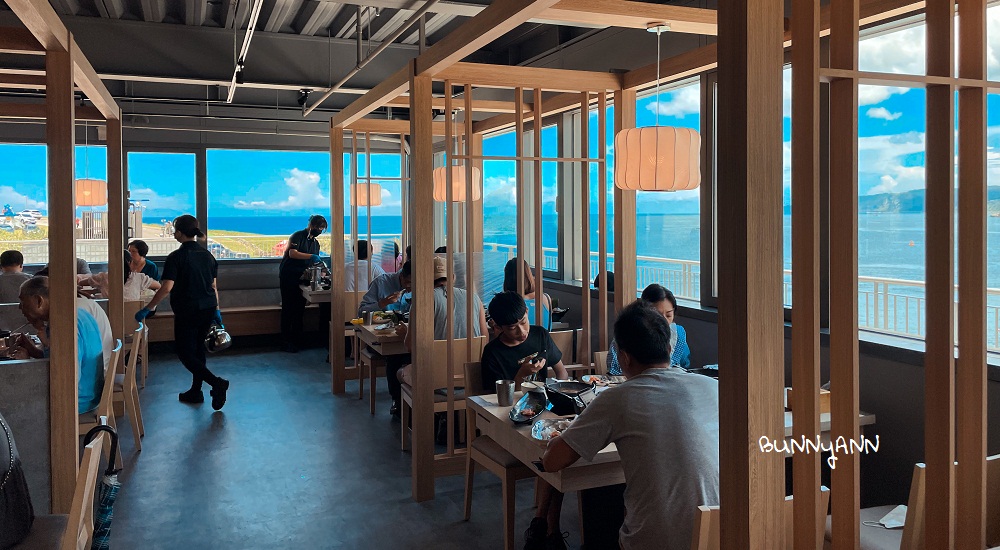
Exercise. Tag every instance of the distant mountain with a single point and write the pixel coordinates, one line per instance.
(912, 202)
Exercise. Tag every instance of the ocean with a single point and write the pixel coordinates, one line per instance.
(889, 245)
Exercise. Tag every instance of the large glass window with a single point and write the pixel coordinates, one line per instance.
(597, 231)
(256, 199)
(668, 225)
(386, 223)
(161, 187)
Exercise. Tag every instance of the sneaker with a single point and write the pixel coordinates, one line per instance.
(556, 541)
(394, 409)
(219, 394)
(191, 396)
(534, 536)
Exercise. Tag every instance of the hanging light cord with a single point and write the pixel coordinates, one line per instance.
(658, 30)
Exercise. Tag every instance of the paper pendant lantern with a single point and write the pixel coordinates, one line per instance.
(360, 197)
(658, 158)
(457, 184)
(91, 192)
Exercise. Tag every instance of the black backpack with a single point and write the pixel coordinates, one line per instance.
(16, 512)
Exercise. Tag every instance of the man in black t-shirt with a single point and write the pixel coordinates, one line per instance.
(302, 252)
(507, 356)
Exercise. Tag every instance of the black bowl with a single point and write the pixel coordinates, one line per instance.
(568, 397)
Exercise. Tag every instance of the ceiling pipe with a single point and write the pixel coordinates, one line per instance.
(241, 59)
(385, 44)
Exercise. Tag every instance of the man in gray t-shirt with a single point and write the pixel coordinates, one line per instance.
(665, 424)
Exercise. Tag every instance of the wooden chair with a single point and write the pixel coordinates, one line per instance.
(439, 370)
(369, 364)
(487, 453)
(131, 307)
(993, 500)
(126, 390)
(72, 532)
(705, 535)
(600, 362)
(566, 342)
(91, 419)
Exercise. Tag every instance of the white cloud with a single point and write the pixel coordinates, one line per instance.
(888, 185)
(685, 101)
(18, 201)
(501, 189)
(303, 193)
(882, 113)
(900, 51)
(156, 201)
(871, 95)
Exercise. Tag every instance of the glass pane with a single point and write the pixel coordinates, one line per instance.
(161, 187)
(993, 221)
(891, 246)
(595, 192)
(256, 199)
(550, 194)
(668, 224)
(499, 204)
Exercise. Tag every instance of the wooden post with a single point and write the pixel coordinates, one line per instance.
(844, 272)
(337, 259)
(805, 271)
(970, 382)
(115, 225)
(751, 320)
(584, 346)
(422, 321)
(537, 187)
(625, 251)
(939, 357)
(602, 219)
(473, 218)
(450, 148)
(63, 381)
(519, 189)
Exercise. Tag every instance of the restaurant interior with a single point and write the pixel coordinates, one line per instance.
(564, 136)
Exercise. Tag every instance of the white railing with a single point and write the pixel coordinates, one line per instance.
(889, 306)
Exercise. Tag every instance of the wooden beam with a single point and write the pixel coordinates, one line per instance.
(63, 382)
(558, 104)
(906, 80)
(939, 354)
(500, 17)
(844, 373)
(18, 40)
(809, 518)
(22, 82)
(43, 22)
(506, 76)
(384, 126)
(625, 241)
(970, 377)
(751, 317)
(478, 105)
(585, 300)
(635, 15)
(337, 258)
(422, 320)
(116, 226)
(602, 222)
(378, 96)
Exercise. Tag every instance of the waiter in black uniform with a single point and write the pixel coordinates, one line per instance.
(302, 252)
(189, 277)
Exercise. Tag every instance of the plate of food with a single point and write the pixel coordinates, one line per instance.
(601, 379)
(547, 428)
(530, 405)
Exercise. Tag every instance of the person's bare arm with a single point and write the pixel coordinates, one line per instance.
(28, 348)
(215, 288)
(558, 455)
(484, 329)
(561, 372)
(166, 285)
(526, 369)
(154, 284)
(406, 336)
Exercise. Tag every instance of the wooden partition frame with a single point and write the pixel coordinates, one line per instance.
(65, 69)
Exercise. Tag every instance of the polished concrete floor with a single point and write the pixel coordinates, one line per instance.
(286, 464)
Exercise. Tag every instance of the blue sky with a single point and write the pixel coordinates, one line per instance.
(268, 183)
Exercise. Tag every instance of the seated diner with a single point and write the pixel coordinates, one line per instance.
(663, 301)
(12, 276)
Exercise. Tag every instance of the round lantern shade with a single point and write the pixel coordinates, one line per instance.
(90, 192)
(658, 158)
(359, 195)
(457, 184)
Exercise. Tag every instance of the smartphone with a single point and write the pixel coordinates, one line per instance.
(528, 357)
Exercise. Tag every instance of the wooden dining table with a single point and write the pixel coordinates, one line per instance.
(494, 421)
(321, 296)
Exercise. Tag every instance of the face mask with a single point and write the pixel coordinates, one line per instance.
(315, 232)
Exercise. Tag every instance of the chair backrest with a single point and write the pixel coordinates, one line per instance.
(913, 528)
(81, 516)
(600, 362)
(993, 500)
(133, 356)
(474, 379)
(706, 533)
(104, 408)
(439, 367)
(131, 307)
(352, 300)
(565, 340)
